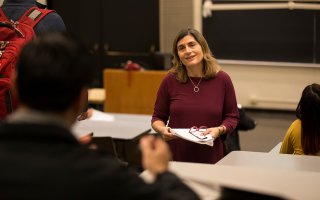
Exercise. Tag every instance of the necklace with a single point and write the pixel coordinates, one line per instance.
(196, 87)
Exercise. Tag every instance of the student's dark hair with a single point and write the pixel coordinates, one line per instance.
(308, 111)
(51, 72)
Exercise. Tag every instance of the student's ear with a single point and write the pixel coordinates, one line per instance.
(83, 111)
(83, 100)
(81, 103)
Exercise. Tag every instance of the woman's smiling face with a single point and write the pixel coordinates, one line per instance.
(190, 51)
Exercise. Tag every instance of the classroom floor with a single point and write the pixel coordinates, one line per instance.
(270, 129)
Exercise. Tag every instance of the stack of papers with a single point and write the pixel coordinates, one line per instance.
(196, 136)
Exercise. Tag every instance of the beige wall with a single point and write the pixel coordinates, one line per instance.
(270, 85)
(175, 15)
(265, 85)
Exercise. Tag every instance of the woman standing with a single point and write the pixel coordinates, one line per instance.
(196, 92)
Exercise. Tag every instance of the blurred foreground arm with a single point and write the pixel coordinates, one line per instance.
(155, 158)
(155, 154)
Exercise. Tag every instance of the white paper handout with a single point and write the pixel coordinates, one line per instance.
(101, 116)
(196, 136)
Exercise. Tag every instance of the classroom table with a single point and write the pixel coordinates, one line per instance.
(117, 126)
(206, 179)
(119, 133)
(271, 160)
(276, 149)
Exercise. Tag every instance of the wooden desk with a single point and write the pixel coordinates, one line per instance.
(288, 184)
(273, 161)
(131, 91)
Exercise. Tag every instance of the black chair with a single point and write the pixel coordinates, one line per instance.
(232, 142)
(105, 145)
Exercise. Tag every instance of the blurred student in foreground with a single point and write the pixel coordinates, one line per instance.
(303, 136)
(42, 159)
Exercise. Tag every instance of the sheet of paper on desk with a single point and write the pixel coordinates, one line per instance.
(84, 127)
(119, 128)
(185, 134)
(101, 116)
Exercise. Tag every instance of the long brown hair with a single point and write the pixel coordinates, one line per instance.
(308, 111)
(211, 67)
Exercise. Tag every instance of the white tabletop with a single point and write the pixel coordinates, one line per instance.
(288, 184)
(132, 117)
(118, 126)
(271, 160)
(276, 149)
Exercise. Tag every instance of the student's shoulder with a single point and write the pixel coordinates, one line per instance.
(54, 18)
(295, 127)
(296, 123)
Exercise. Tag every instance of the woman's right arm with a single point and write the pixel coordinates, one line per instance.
(162, 129)
(161, 111)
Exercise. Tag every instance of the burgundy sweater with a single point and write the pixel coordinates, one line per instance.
(215, 104)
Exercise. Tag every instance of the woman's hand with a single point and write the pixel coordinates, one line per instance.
(167, 133)
(215, 132)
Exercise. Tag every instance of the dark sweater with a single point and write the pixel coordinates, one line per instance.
(14, 9)
(47, 162)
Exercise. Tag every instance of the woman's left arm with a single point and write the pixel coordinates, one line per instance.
(230, 113)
